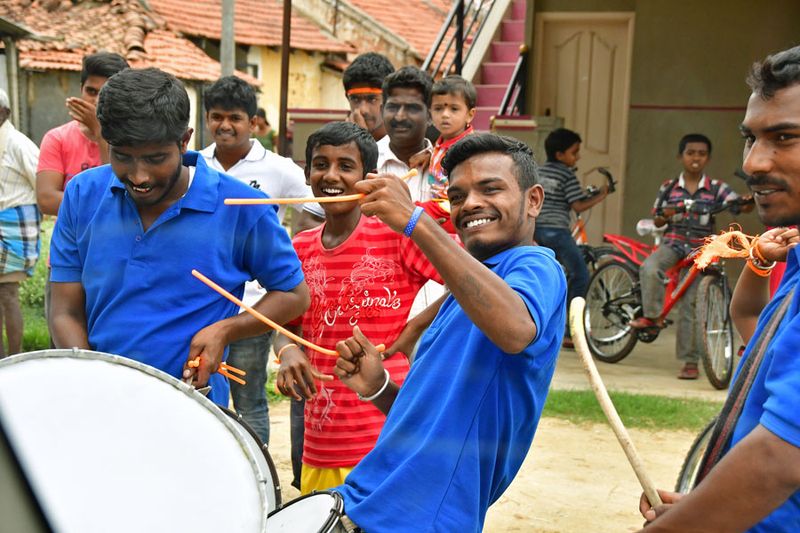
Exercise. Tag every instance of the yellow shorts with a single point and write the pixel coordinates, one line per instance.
(313, 478)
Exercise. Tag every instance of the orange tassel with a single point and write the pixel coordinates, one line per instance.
(729, 244)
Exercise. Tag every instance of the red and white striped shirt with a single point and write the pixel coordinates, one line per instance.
(368, 281)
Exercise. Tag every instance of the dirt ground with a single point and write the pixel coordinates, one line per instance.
(576, 477)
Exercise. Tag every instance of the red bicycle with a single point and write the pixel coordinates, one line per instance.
(614, 298)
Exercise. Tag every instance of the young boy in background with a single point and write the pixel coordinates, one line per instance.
(684, 232)
(360, 273)
(562, 194)
(453, 101)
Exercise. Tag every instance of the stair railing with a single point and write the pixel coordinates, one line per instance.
(447, 51)
(514, 98)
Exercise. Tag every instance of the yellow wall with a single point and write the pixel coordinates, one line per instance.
(310, 86)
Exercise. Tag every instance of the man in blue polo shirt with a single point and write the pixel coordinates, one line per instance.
(458, 430)
(128, 235)
(751, 477)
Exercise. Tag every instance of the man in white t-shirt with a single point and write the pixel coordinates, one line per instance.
(230, 105)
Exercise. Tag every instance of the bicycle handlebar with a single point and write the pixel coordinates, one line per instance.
(612, 184)
(704, 208)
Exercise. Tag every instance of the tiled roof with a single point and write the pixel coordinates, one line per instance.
(256, 22)
(416, 21)
(65, 32)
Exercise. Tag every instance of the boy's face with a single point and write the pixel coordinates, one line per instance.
(368, 104)
(771, 129)
(334, 171)
(695, 157)
(151, 171)
(570, 156)
(405, 114)
(230, 128)
(90, 89)
(487, 207)
(450, 114)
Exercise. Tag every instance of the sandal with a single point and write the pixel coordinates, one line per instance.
(644, 323)
(689, 371)
(567, 344)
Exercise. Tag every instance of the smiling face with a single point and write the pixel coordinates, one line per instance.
(450, 114)
(405, 115)
(487, 207)
(771, 129)
(230, 128)
(151, 173)
(334, 171)
(694, 158)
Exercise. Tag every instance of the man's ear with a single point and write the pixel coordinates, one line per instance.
(187, 135)
(534, 197)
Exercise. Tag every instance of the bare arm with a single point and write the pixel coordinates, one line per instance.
(482, 294)
(415, 327)
(760, 473)
(209, 343)
(751, 294)
(579, 206)
(67, 320)
(49, 191)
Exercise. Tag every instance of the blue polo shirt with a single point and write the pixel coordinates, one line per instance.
(142, 301)
(465, 417)
(774, 399)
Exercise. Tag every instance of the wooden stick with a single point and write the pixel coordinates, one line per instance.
(315, 199)
(579, 339)
(274, 325)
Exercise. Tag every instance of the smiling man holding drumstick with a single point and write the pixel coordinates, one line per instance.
(750, 480)
(129, 234)
(459, 428)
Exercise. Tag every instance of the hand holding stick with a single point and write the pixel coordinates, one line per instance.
(579, 339)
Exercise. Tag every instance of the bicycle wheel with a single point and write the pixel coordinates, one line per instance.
(612, 301)
(714, 327)
(687, 478)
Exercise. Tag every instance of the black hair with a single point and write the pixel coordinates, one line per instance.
(559, 140)
(526, 170)
(693, 138)
(103, 64)
(367, 69)
(340, 133)
(229, 93)
(775, 72)
(409, 77)
(456, 85)
(137, 107)
(260, 112)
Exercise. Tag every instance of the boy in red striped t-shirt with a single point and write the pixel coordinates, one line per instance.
(359, 273)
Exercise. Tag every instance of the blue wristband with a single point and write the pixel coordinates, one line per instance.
(412, 222)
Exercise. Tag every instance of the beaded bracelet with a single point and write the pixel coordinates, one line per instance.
(412, 222)
(380, 391)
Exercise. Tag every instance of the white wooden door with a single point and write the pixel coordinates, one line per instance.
(582, 75)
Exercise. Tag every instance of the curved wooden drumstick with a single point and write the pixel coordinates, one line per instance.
(267, 321)
(579, 339)
(315, 199)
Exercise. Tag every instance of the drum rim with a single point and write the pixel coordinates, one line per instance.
(185, 388)
(335, 514)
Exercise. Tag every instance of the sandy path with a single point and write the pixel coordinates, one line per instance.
(576, 477)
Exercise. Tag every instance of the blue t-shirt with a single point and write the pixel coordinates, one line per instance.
(142, 301)
(774, 399)
(465, 417)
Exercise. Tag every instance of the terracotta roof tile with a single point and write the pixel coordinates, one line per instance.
(256, 22)
(416, 21)
(66, 32)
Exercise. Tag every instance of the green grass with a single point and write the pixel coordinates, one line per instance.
(636, 410)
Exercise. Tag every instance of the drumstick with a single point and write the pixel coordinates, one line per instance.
(277, 327)
(224, 370)
(579, 339)
(315, 199)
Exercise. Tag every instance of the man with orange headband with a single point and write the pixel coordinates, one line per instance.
(363, 80)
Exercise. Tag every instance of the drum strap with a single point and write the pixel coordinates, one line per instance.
(349, 526)
(732, 410)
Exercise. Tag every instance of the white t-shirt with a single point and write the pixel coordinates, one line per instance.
(278, 176)
(420, 192)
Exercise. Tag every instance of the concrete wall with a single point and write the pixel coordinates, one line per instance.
(690, 58)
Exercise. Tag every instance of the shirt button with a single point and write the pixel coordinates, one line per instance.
(138, 238)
